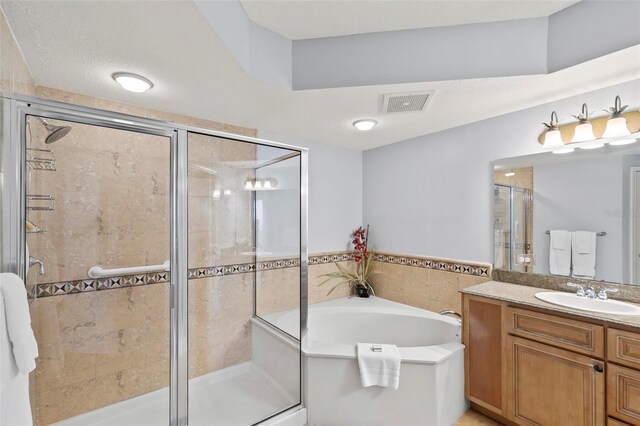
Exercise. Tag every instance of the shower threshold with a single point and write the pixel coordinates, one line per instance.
(238, 395)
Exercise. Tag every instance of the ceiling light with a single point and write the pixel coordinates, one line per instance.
(584, 130)
(509, 174)
(617, 124)
(132, 82)
(566, 150)
(365, 125)
(553, 137)
(623, 142)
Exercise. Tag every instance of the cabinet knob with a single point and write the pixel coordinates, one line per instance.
(598, 368)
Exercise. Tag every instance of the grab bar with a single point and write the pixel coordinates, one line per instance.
(99, 272)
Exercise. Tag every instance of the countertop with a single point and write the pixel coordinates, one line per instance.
(525, 295)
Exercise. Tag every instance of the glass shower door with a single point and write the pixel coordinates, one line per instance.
(96, 206)
(242, 370)
(512, 226)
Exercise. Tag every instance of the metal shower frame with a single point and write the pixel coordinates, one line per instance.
(16, 108)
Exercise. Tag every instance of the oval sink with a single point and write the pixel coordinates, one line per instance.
(586, 304)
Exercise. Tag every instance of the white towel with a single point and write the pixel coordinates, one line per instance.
(560, 253)
(17, 352)
(379, 368)
(584, 261)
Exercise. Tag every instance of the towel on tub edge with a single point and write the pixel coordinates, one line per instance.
(379, 367)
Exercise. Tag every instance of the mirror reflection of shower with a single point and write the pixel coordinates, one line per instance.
(512, 223)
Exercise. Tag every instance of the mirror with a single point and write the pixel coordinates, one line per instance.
(573, 215)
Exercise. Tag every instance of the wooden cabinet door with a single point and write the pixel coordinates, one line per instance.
(483, 338)
(623, 393)
(552, 387)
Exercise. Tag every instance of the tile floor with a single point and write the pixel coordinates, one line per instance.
(473, 418)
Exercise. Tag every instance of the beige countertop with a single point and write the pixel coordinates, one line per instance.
(525, 295)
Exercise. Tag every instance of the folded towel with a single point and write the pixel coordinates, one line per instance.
(18, 320)
(15, 408)
(581, 242)
(379, 365)
(560, 253)
(584, 264)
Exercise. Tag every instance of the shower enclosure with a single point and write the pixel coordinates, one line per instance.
(151, 251)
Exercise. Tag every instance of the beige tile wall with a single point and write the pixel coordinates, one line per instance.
(429, 289)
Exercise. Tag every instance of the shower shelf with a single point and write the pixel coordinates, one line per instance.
(41, 159)
(39, 202)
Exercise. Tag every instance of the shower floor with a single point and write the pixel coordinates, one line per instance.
(238, 395)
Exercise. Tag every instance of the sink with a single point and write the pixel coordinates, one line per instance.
(586, 304)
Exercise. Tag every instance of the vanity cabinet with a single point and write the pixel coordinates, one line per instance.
(529, 367)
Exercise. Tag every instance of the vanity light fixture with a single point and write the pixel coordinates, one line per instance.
(132, 82)
(553, 137)
(364, 125)
(252, 184)
(584, 130)
(617, 123)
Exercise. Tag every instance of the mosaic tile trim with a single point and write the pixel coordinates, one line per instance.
(438, 264)
(88, 285)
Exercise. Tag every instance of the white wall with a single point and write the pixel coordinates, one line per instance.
(581, 196)
(432, 195)
(335, 192)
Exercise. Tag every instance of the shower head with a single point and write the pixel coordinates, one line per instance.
(55, 132)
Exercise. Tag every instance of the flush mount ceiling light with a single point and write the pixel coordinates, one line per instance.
(364, 125)
(553, 137)
(617, 123)
(132, 82)
(584, 129)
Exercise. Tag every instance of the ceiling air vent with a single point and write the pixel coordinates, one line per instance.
(406, 102)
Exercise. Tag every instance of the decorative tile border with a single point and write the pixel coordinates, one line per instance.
(88, 285)
(480, 270)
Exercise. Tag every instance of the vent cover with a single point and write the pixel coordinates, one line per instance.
(406, 102)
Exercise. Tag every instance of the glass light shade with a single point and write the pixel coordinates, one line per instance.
(267, 184)
(509, 174)
(566, 150)
(623, 142)
(616, 127)
(584, 132)
(258, 185)
(553, 139)
(248, 184)
(227, 192)
(216, 193)
(592, 145)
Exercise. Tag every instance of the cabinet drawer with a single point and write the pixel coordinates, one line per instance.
(623, 394)
(613, 422)
(576, 336)
(623, 347)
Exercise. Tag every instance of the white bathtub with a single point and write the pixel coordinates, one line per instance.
(431, 389)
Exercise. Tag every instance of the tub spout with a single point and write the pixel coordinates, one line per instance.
(454, 313)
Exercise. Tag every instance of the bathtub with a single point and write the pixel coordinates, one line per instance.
(431, 388)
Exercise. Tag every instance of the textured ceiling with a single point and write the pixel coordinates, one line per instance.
(76, 46)
(302, 19)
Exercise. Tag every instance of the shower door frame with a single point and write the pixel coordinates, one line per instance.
(16, 109)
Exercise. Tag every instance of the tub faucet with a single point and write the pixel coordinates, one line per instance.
(34, 261)
(454, 313)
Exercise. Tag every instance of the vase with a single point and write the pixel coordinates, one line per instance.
(362, 291)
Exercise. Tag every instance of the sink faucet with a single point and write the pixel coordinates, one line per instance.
(602, 294)
(34, 261)
(581, 292)
(591, 293)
